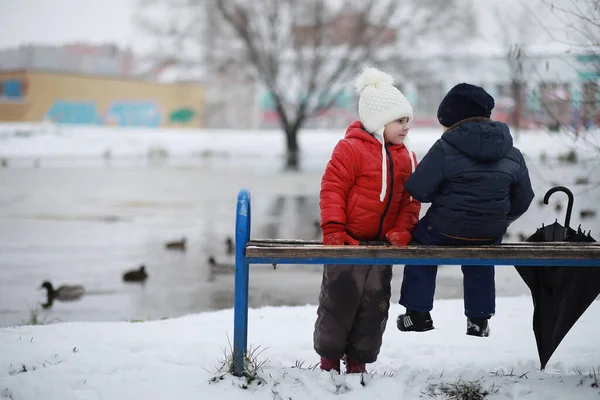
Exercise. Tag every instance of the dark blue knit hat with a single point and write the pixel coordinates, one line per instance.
(464, 101)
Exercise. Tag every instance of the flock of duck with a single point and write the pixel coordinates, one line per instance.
(139, 275)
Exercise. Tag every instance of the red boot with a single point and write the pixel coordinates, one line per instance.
(328, 364)
(354, 367)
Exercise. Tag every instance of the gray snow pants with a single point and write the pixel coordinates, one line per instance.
(353, 311)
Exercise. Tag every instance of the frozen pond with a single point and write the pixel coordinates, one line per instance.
(86, 220)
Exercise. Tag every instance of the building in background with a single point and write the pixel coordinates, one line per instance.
(548, 84)
(83, 83)
(231, 102)
(553, 89)
(105, 84)
(339, 31)
(68, 98)
(556, 89)
(74, 58)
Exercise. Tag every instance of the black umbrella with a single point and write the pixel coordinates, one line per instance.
(554, 232)
(560, 294)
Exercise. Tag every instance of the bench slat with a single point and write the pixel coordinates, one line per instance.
(521, 251)
(299, 243)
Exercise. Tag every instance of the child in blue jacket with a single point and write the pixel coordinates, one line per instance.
(477, 183)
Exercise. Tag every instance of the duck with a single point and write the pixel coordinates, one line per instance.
(584, 214)
(223, 267)
(229, 245)
(215, 268)
(176, 245)
(63, 293)
(136, 275)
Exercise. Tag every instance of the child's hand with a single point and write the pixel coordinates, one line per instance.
(339, 239)
(398, 237)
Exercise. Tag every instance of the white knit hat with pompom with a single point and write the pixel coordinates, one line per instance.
(379, 104)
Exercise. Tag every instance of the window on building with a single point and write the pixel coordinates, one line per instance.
(12, 89)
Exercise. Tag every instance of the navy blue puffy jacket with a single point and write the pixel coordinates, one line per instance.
(476, 180)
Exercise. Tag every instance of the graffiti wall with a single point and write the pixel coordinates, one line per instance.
(68, 99)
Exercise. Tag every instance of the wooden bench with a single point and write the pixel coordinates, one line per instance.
(274, 251)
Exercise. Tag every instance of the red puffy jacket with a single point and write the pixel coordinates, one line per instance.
(351, 186)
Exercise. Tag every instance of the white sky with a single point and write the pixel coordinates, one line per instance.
(60, 21)
(101, 21)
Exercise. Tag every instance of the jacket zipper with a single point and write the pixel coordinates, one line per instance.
(391, 193)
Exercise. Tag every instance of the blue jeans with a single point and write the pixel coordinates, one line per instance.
(418, 285)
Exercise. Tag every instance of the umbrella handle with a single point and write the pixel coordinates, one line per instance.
(569, 206)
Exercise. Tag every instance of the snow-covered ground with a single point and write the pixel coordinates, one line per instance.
(177, 359)
(68, 141)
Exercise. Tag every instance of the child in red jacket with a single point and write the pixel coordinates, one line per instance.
(363, 199)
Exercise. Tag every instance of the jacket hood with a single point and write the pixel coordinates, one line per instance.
(357, 130)
(481, 139)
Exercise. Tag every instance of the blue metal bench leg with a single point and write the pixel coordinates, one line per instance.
(242, 272)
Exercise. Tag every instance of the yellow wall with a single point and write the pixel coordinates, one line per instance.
(100, 100)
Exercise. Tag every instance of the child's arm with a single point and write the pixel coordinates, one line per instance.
(340, 175)
(428, 175)
(407, 218)
(521, 194)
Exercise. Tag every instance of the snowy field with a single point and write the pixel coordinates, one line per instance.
(177, 359)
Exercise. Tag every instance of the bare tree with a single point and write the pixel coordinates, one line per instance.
(304, 53)
(580, 19)
(182, 33)
(518, 33)
(578, 23)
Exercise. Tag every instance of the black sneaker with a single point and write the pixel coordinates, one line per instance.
(414, 321)
(478, 327)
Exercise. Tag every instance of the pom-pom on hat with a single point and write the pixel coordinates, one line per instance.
(379, 101)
